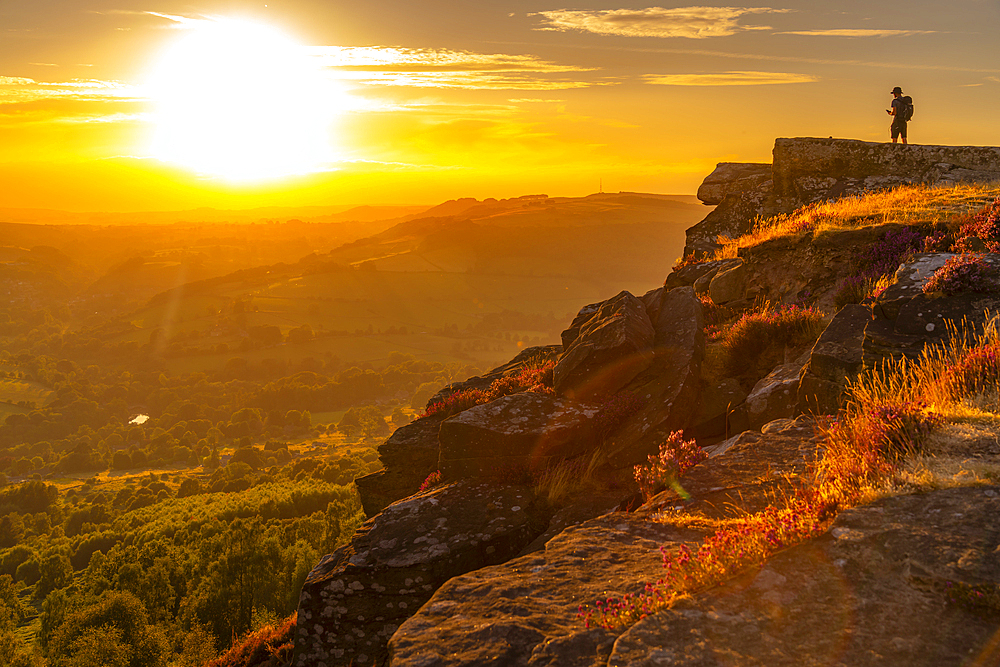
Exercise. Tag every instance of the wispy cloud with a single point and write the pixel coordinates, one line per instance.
(443, 68)
(19, 90)
(847, 32)
(729, 79)
(689, 22)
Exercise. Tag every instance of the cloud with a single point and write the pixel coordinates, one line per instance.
(846, 32)
(729, 79)
(21, 90)
(443, 68)
(690, 22)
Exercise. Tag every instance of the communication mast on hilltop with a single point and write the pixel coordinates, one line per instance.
(600, 188)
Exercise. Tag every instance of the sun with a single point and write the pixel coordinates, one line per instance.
(241, 101)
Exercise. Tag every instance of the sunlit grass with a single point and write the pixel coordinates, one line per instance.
(907, 204)
(881, 443)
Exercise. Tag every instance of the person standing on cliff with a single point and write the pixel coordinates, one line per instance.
(898, 127)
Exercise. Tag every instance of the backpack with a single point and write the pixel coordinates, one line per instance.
(906, 111)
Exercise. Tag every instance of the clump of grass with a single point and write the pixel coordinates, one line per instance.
(555, 482)
(756, 343)
(676, 457)
(715, 316)
(968, 272)
(982, 598)
(536, 379)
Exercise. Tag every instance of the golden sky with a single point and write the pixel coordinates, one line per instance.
(129, 105)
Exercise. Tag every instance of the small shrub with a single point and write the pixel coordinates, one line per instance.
(676, 456)
(964, 273)
(851, 290)
(885, 255)
(939, 241)
(433, 479)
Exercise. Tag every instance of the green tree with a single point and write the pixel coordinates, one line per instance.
(120, 621)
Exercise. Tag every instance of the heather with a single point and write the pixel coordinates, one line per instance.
(964, 273)
(535, 378)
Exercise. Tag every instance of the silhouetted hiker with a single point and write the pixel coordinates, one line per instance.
(901, 111)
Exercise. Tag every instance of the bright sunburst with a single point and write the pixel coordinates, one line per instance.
(242, 101)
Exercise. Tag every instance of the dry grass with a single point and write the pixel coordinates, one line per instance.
(909, 204)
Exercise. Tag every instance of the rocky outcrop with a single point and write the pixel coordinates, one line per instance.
(807, 170)
(356, 597)
(518, 432)
(607, 351)
(731, 178)
(524, 612)
(905, 319)
(733, 217)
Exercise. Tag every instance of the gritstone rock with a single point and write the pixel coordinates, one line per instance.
(905, 319)
(356, 597)
(612, 347)
(526, 430)
(835, 359)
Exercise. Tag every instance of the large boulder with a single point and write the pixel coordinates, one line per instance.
(728, 284)
(905, 319)
(730, 178)
(612, 346)
(834, 360)
(721, 410)
(776, 395)
(521, 431)
(669, 388)
(408, 456)
(356, 597)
